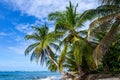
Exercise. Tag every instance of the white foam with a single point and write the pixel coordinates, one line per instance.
(52, 78)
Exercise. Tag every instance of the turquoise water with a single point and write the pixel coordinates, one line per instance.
(17, 75)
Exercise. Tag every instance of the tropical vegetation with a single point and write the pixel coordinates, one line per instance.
(75, 52)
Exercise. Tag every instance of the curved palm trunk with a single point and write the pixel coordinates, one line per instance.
(49, 51)
(102, 47)
(63, 72)
(52, 60)
(56, 63)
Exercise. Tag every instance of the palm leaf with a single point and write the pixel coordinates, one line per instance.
(51, 66)
(32, 37)
(55, 46)
(101, 21)
(101, 49)
(31, 47)
(77, 52)
(62, 57)
(100, 11)
(110, 2)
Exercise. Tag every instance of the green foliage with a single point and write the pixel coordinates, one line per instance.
(75, 51)
(69, 22)
(110, 2)
(88, 61)
(111, 60)
(70, 63)
(41, 49)
(51, 65)
(62, 57)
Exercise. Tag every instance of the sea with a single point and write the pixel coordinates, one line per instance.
(29, 75)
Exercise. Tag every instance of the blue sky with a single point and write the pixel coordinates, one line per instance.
(16, 19)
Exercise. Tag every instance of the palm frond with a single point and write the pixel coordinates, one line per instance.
(101, 49)
(31, 47)
(105, 10)
(70, 62)
(87, 15)
(38, 54)
(71, 14)
(77, 52)
(110, 2)
(39, 49)
(42, 31)
(63, 26)
(50, 52)
(56, 16)
(83, 33)
(51, 66)
(88, 56)
(101, 21)
(32, 37)
(55, 46)
(100, 11)
(62, 57)
(49, 38)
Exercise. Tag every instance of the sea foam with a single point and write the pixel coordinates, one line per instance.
(52, 78)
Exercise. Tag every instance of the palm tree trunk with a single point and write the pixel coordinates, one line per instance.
(102, 47)
(63, 72)
(52, 60)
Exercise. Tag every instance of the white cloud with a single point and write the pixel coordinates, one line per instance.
(87, 4)
(18, 38)
(17, 49)
(24, 28)
(3, 34)
(41, 8)
(6, 34)
(27, 29)
(2, 17)
(20, 47)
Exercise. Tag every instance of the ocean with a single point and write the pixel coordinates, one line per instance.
(24, 75)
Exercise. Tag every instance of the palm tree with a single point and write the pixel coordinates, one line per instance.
(110, 2)
(68, 22)
(41, 49)
(111, 61)
(109, 13)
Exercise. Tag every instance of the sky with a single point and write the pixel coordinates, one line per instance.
(16, 19)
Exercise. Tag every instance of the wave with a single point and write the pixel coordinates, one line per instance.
(52, 78)
(17, 75)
